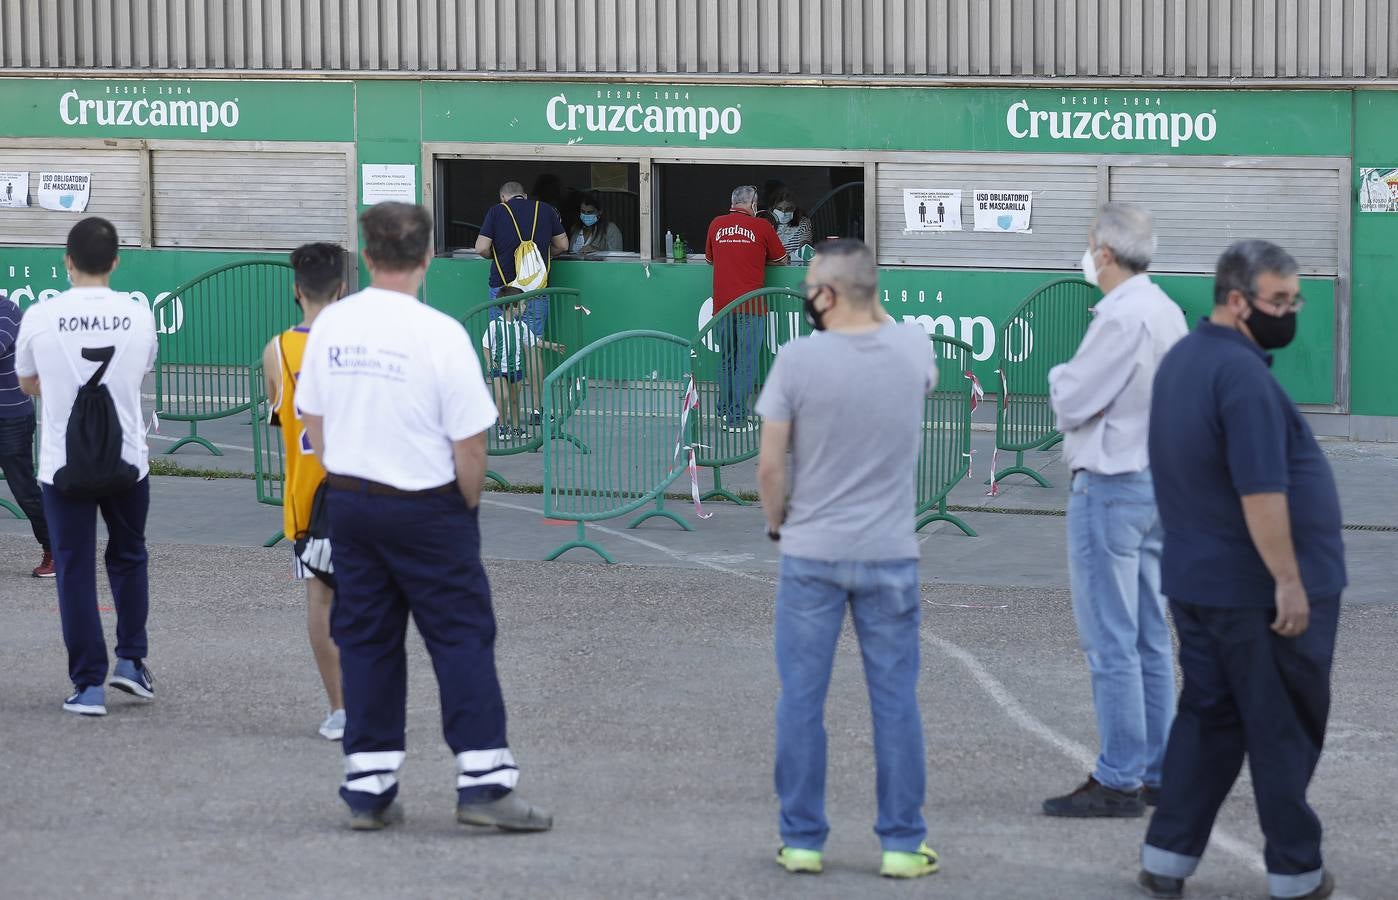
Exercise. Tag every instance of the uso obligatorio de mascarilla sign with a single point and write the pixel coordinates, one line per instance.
(1222, 123)
(177, 109)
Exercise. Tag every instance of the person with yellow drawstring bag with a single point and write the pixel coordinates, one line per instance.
(523, 260)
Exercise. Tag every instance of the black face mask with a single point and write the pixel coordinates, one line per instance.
(813, 315)
(1271, 332)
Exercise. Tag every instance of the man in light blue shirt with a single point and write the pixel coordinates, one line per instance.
(1102, 399)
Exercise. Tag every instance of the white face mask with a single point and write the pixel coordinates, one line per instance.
(1089, 267)
(783, 216)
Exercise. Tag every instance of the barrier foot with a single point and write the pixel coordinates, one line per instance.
(13, 510)
(275, 539)
(497, 478)
(574, 440)
(1019, 468)
(720, 492)
(660, 512)
(194, 438)
(581, 543)
(941, 515)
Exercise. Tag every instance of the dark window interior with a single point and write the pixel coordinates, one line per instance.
(469, 187)
(690, 195)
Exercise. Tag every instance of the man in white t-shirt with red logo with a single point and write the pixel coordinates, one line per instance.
(87, 350)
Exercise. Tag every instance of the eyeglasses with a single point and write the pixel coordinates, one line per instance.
(1280, 305)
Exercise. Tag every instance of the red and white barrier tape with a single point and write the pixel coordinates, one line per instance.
(994, 468)
(977, 392)
(690, 402)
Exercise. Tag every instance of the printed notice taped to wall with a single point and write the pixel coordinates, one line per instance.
(932, 210)
(1378, 190)
(14, 189)
(1006, 211)
(381, 183)
(64, 191)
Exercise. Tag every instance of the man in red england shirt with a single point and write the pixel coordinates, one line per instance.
(739, 247)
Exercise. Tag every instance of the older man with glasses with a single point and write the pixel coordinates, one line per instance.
(1253, 566)
(1102, 399)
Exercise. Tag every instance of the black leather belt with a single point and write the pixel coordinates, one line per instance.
(363, 485)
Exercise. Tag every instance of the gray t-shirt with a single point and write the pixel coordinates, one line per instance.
(855, 404)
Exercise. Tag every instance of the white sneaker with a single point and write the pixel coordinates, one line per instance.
(333, 728)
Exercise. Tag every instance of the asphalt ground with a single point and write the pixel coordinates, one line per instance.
(641, 699)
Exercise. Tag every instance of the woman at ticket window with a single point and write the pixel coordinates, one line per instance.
(792, 224)
(593, 233)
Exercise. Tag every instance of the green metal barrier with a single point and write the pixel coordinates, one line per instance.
(945, 454)
(754, 326)
(520, 427)
(268, 452)
(612, 420)
(1042, 332)
(211, 326)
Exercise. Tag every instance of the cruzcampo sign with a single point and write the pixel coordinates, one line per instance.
(1212, 123)
(177, 109)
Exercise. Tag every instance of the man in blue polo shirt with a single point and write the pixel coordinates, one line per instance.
(508, 224)
(1253, 566)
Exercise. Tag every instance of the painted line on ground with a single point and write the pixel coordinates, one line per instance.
(1239, 849)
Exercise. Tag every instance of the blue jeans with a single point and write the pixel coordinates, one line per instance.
(1114, 543)
(536, 312)
(1247, 692)
(740, 344)
(884, 601)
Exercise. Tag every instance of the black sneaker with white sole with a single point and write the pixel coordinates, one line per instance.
(1095, 800)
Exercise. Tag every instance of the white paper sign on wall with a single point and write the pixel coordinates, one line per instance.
(64, 191)
(1006, 211)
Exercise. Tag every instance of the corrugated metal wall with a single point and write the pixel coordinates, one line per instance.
(1159, 38)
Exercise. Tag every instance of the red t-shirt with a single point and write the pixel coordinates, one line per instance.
(740, 245)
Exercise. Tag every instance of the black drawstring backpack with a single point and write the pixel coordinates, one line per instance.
(94, 467)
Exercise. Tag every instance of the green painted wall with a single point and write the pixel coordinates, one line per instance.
(389, 120)
(672, 298)
(1374, 380)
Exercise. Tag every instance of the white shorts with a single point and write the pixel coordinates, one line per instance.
(299, 570)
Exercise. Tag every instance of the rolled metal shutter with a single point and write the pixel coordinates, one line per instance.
(1065, 202)
(1200, 210)
(249, 199)
(115, 194)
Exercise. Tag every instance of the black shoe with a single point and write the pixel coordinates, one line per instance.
(1150, 796)
(1095, 801)
(375, 819)
(1323, 890)
(1153, 885)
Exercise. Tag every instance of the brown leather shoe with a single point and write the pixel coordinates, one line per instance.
(45, 569)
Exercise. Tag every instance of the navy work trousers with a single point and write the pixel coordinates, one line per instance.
(17, 465)
(418, 555)
(1247, 692)
(73, 528)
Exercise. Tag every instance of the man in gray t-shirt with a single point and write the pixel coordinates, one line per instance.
(848, 403)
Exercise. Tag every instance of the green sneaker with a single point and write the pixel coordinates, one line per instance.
(909, 865)
(799, 861)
